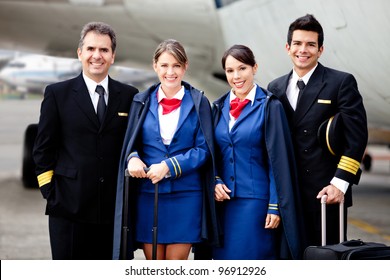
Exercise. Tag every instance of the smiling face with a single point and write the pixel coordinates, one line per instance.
(170, 73)
(96, 56)
(304, 51)
(240, 76)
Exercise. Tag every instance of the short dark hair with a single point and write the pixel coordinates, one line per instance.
(241, 53)
(99, 28)
(307, 23)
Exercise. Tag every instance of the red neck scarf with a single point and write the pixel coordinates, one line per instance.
(169, 105)
(236, 106)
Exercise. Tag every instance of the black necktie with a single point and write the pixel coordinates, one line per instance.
(301, 86)
(101, 106)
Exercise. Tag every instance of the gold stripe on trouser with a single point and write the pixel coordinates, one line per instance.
(45, 178)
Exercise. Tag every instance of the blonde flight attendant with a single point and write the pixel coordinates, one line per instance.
(170, 132)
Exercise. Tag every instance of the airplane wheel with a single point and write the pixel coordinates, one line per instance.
(28, 166)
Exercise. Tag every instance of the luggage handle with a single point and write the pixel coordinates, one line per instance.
(127, 173)
(323, 220)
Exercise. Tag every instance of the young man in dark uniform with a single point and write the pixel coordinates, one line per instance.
(311, 95)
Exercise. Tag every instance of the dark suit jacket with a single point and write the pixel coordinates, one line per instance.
(82, 155)
(328, 92)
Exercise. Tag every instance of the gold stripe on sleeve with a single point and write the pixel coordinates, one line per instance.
(45, 178)
(178, 166)
(174, 167)
(349, 164)
(273, 206)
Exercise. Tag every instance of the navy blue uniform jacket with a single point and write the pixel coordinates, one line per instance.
(139, 109)
(281, 157)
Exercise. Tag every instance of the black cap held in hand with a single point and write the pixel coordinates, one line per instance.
(330, 135)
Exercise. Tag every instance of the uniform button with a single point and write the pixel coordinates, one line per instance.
(231, 160)
(231, 178)
(230, 145)
(307, 171)
(101, 179)
(166, 156)
(305, 131)
(305, 150)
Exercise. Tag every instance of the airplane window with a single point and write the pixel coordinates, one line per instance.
(223, 3)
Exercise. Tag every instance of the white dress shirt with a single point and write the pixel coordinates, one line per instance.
(91, 85)
(250, 96)
(292, 88)
(168, 122)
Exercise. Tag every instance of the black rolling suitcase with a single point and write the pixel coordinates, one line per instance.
(345, 250)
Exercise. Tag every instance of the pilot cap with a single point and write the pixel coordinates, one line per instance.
(330, 135)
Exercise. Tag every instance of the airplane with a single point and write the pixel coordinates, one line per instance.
(356, 37)
(5, 56)
(31, 73)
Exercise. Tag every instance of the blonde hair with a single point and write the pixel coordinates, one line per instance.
(174, 48)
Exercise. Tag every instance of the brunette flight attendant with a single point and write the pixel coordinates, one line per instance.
(170, 131)
(255, 163)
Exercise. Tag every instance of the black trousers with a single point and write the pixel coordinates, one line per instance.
(70, 240)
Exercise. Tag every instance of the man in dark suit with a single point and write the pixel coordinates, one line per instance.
(325, 93)
(77, 150)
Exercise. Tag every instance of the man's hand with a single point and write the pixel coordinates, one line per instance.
(334, 194)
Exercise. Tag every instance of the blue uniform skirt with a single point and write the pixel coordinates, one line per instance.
(245, 237)
(179, 217)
